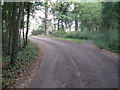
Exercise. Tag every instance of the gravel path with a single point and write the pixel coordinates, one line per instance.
(67, 64)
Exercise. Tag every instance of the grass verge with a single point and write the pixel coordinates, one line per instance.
(68, 39)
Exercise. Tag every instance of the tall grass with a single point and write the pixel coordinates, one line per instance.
(37, 32)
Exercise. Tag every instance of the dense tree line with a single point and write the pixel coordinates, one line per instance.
(91, 16)
(13, 24)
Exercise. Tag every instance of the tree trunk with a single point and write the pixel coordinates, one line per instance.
(19, 39)
(15, 34)
(76, 25)
(62, 24)
(23, 38)
(11, 25)
(23, 33)
(58, 24)
(54, 24)
(70, 27)
(28, 16)
(46, 17)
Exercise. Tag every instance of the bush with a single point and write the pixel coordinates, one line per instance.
(74, 34)
(58, 33)
(78, 35)
(108, 40)
(37, 32)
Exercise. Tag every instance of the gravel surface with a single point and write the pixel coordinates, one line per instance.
(67, 64)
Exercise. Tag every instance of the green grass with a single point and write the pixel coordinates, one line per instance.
(68, 39)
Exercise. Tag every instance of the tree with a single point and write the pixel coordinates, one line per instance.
(46, 16)
(109, 19)
(76, 14)
(28, 16)
(16, 33)
(11, 26)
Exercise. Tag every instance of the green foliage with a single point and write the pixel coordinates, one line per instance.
(58, 33)
(23, 57)
(27, 54)
(90, 15)
(6, 58)
(37, 32)
(108, 40)
(74, 34)
(78, 34)
(109, 19)
(69, 39)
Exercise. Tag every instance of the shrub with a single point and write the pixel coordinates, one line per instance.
(108, 40)
(37, 32)
(58, 33)
(74, 34)
(79, 35)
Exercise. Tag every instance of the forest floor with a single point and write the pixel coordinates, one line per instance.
(29, 73)
(67, 64)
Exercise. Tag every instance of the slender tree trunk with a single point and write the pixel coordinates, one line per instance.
(28, 16)
(54, 24)
(46, 17)
(23, 33)
(19, 39)
(58, 24)
(66, 24)
(23, 38)
(76, 25)
(12, 22)
(62, 24)
(8, 26)
(70, 27)
(16, 34)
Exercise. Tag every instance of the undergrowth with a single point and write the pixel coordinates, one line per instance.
(107, 40)
(12, 72)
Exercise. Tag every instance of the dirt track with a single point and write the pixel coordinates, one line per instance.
(68, 64)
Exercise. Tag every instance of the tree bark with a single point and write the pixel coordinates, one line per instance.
(54, 25)
(76, 25)
(58, 24)
(19, 39)
(15, 34)
(62, 25)
(28, 16)
(46, 17)
(70, 27)
(12, 22)
(23, 33)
